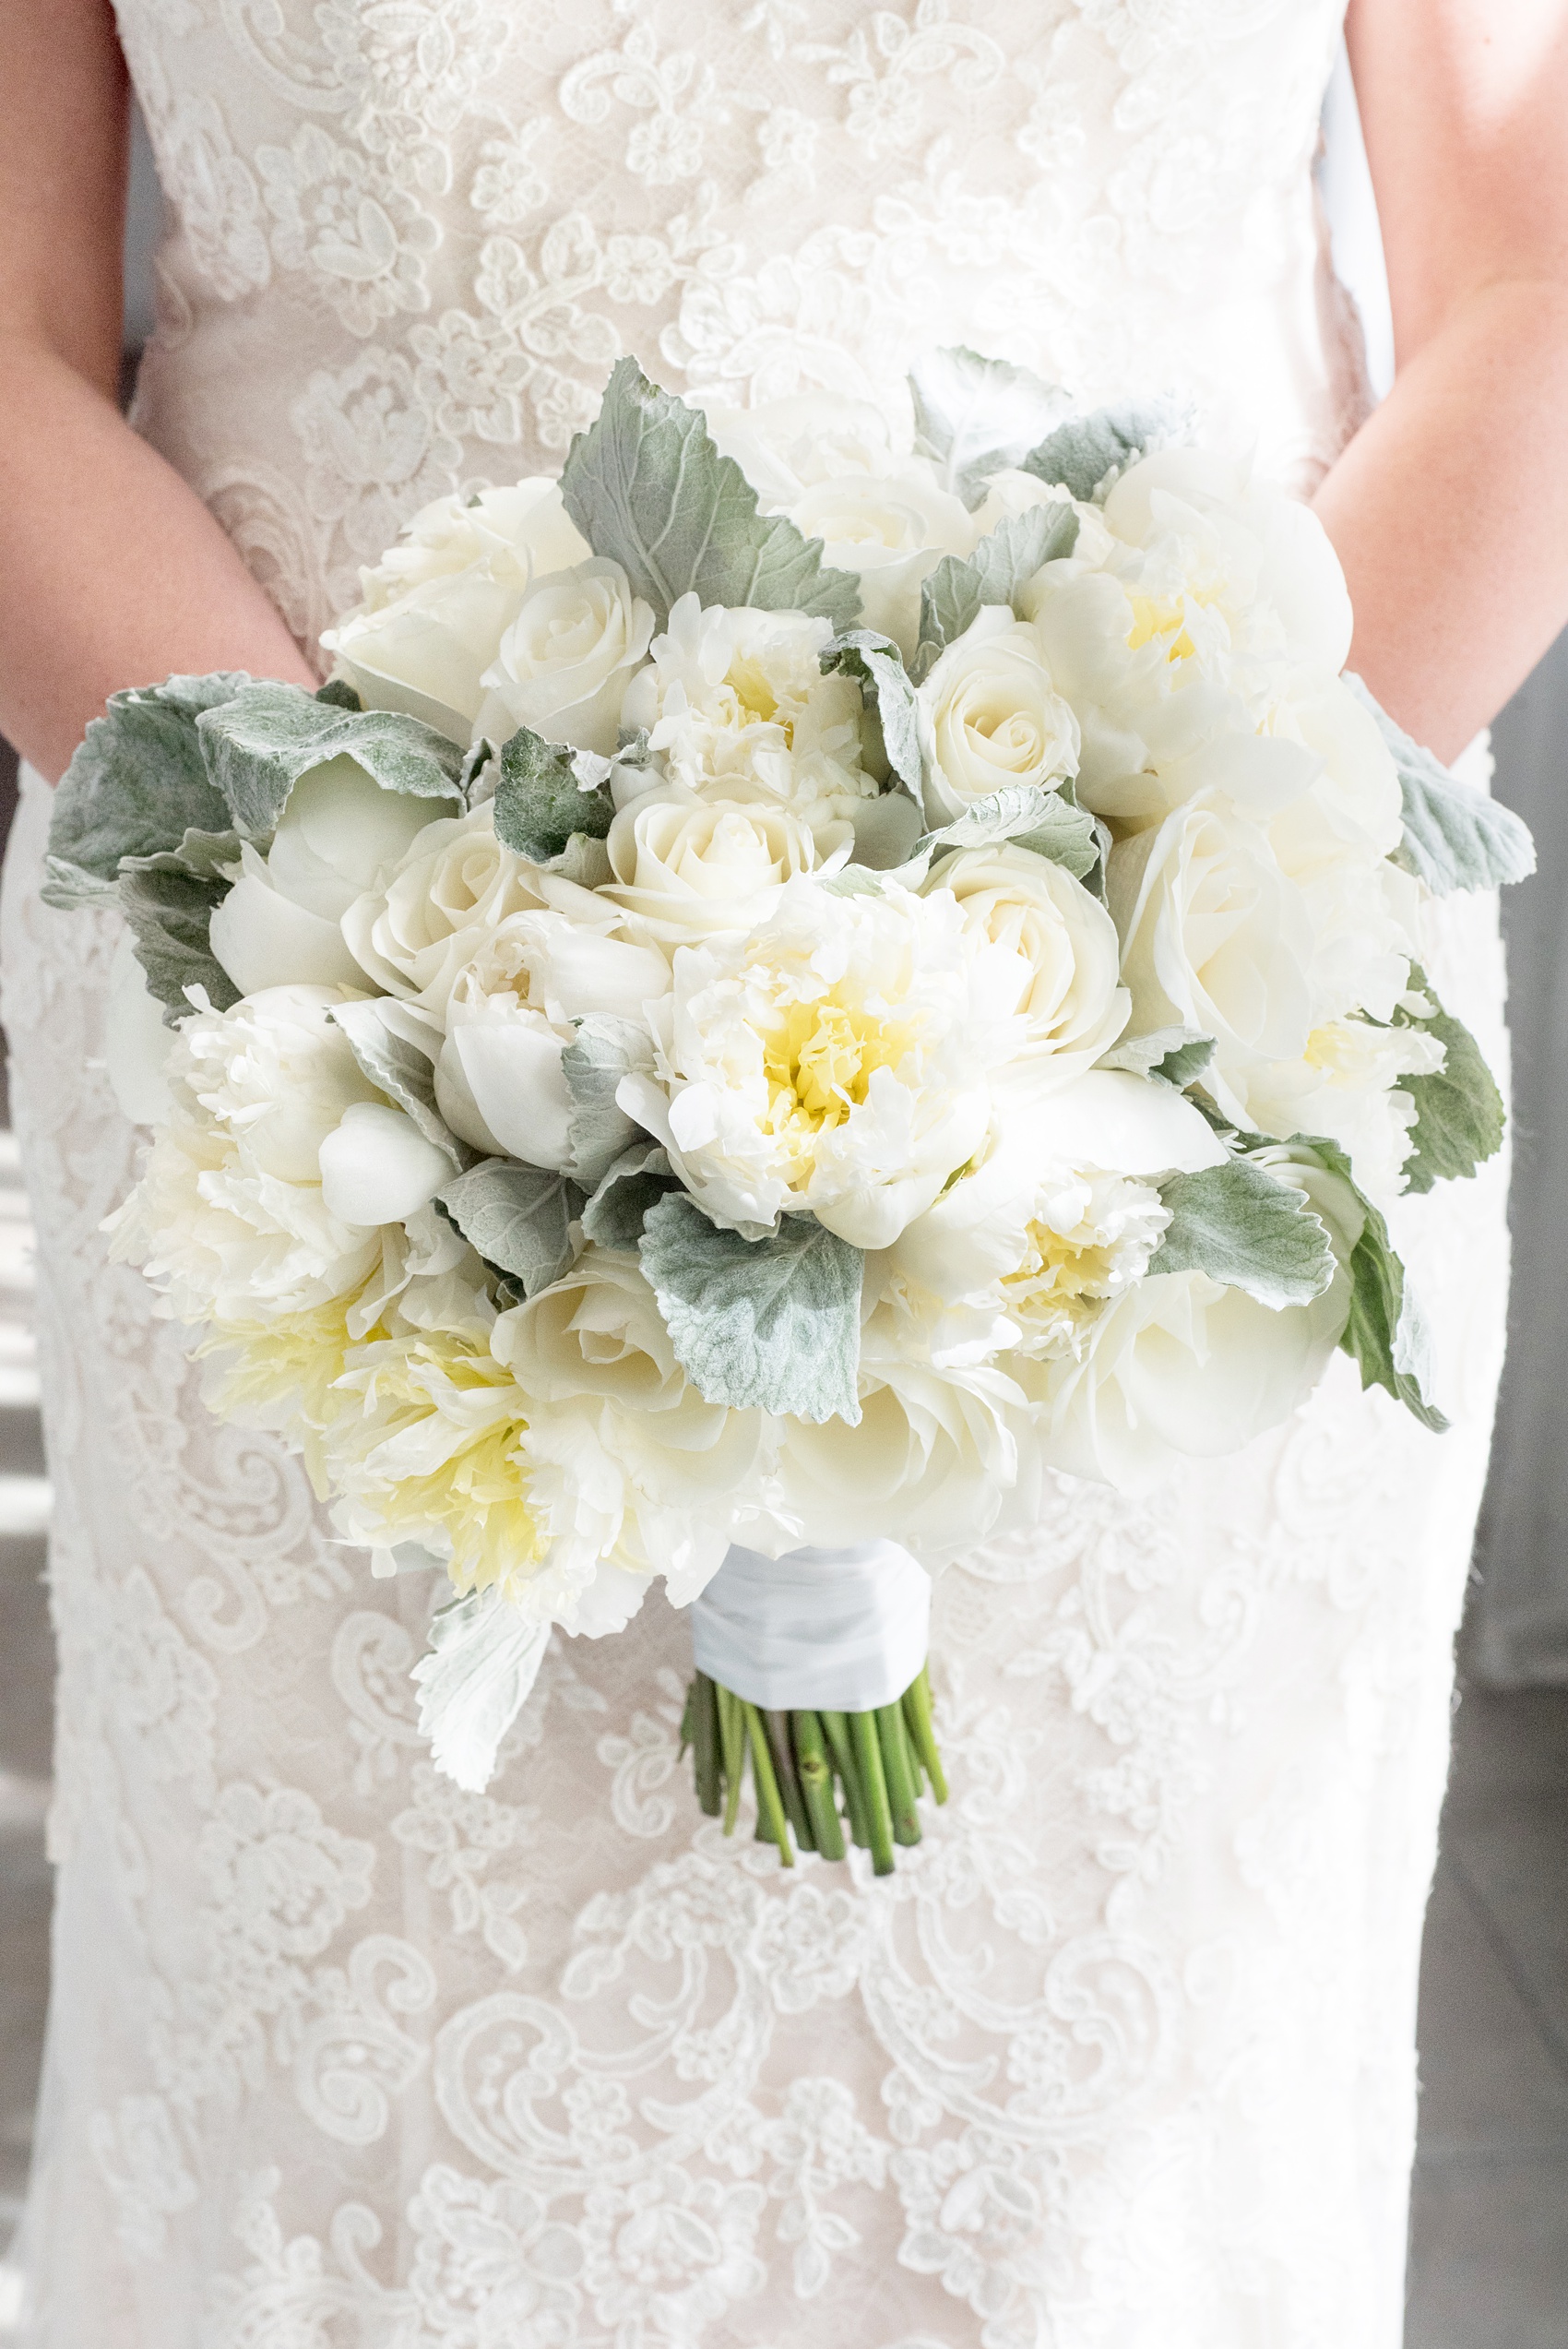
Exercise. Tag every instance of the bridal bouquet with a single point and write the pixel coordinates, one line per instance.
(792, 979)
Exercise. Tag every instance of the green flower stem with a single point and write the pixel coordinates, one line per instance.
(897, 1758)
(815, 1774)
(879, 1817)
(836, 1729)
(778, 1745)
(732, 1739)
(703, 1705)
(770, 1806)
(917, 1716)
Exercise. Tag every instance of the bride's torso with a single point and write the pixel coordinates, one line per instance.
(408, 237)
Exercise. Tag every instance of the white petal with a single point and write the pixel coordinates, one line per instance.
(1128, 1124)
(376, 1166)
(137, 1042)
(264, 940)
(519, 1090)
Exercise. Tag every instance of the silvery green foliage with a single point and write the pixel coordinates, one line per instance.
(384, 1038)
(771, 1324)
(206, 854)
(604, 1050)
(1385, 1334)
(137, 785)
(975, 416)
(1177, 1057)
(484, 1658)
(648, 488)
(953, 598)
(1455, 838)
(1459, 1113)
(1088, 454)
(877, 666)
(518, 1217)
(170, 915)
(640, 1177)
(1048, 822)
(1247, 1229)
(547, 796)
(259, 741)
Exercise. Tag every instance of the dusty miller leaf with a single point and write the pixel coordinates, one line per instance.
(958, 591)
(1455, 838)
(1048, 822)
(772, 1324)
(1175, 1056)
(1248, 1231)
(170, 916)
(640, 1177)
(399, 1067)
(542, 804)
(877, 666)
(518, 1217)
(1459, 1113)
(136, 785)
(1385, 1334)
(603, 1051)
(1088, 454)
(975, 416)
(647, 487)
(261, 742)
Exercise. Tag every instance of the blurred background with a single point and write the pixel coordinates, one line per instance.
(1489, 2222)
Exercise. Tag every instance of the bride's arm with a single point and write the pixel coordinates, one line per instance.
(1450, 506)
(113, 572)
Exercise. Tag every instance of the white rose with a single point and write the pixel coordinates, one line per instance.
(684, 868)
(1063, 949)
(783, 447)
(280, 924)
(509, 1016)
(436, 607)
(1214, 937)
(565, 664)
(891, 531)
(432, 913)
(594, 1358)
(736, 706)
(988, 715)
(1178, 1367)
(230, 1217)
(835, 1058)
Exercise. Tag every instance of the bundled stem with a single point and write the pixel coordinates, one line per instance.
(814, 1771)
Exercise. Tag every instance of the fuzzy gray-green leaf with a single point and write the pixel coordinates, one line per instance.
(640, 1177)
(647, 487)
(1455, 838)
(1087, 454)
(170, 916)
(771, 1324)
(877, 666)
(1459, 1113)
(139, 781)
(541, 803)
(604, 1050)
(1385, 1334)
(1176, 1056)
(260, 742)
(996, 572)
(518, 1217)
(399, 1067)
(976, 416)
(1025, 814)
(1248, 1231)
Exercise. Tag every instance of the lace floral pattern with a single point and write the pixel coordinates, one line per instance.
(345, 2059)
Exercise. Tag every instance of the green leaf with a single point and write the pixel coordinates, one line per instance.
(772, 1324)
(546, 796)
(975, 417)
(1459, 1113)
(1001, 567)
(1048, 822)
(877, 666)
(604, 1050)
(1455, 838)
(1247, 1229)
(339, 694)
(138, 783)
(640, 1177)
(647, 487)
(1175, 1056)
(261, 741)
(384, 1038)
(1087, 454)
(204, 854)
(517, 1217)
(1385, 1334)
(170, 916)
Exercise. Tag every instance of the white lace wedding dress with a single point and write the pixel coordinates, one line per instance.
(342, 2058)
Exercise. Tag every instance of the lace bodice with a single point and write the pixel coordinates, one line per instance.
(410, 236)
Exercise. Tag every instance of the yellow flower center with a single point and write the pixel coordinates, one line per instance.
(1059, 1280)
(1162, 615)
(820, 1061)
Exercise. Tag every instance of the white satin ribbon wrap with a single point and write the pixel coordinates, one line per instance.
(845, 1629)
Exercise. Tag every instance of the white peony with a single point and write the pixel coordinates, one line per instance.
(231, 1217)
(891, 530)
(511, 1013)
(1178, 1367)
(1064, 947)
(989, 717)
(736, 706)
(836, 1058)
(684, 868)
(564, 665)
(280, 924)
(436, 607)
(1215, 938)
(432, 911)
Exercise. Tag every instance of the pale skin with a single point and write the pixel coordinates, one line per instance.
(1449, 509)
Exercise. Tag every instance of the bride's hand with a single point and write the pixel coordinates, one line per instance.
(114, 572)
(1450, 506)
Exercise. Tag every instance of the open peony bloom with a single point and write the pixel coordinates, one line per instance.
(836, 1058)
(280, 924)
